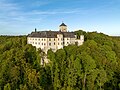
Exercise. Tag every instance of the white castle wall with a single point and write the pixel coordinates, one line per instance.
(54, 43)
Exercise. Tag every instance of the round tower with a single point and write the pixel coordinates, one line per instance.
(63, 27)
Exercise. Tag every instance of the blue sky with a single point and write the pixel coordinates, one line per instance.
(19, 17)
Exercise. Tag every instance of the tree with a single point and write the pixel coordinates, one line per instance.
(7, 87)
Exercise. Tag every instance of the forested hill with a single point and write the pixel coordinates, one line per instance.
(93, 66)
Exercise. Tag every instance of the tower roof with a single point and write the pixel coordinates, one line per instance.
(63, 24)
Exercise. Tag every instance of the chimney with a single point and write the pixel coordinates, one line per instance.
(35, 30)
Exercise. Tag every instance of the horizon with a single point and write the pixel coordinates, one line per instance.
(12, 35)
(22, 17)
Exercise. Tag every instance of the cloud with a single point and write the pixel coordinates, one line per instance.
(40, 3)
(30, 13)
(8, 10)
(57, 11)
(5, 6)
(15, 13)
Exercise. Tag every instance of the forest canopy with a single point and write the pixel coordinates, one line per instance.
(95, 65)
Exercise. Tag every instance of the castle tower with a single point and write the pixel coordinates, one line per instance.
(63, 27)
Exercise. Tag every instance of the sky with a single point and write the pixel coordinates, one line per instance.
(21, 17)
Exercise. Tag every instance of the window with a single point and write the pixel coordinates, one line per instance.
(61, 39)
(54, 43)
(58, 39)
(35, 42)
(58, 43)
(67, 42)
(49, 39)
(61, 43)
(44, 44)
(39, 39)
(67, 39)
(49, 44)
(54, 39)
(35, 39)
(44, 39)
(39, 43)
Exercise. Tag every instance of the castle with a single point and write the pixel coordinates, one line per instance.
(54, 39)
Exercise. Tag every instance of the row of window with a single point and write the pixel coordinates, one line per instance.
(45, 43)
(45, 39)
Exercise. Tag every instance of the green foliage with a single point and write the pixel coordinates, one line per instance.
(7, 87)
(89, 67)
(80, 32)
(95, 65)
(17, 64)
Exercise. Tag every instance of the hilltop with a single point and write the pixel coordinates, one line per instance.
(91, 66)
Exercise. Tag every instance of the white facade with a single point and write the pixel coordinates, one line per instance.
(53, 40)
(53, 43)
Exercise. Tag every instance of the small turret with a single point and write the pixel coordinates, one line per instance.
(63, 27)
